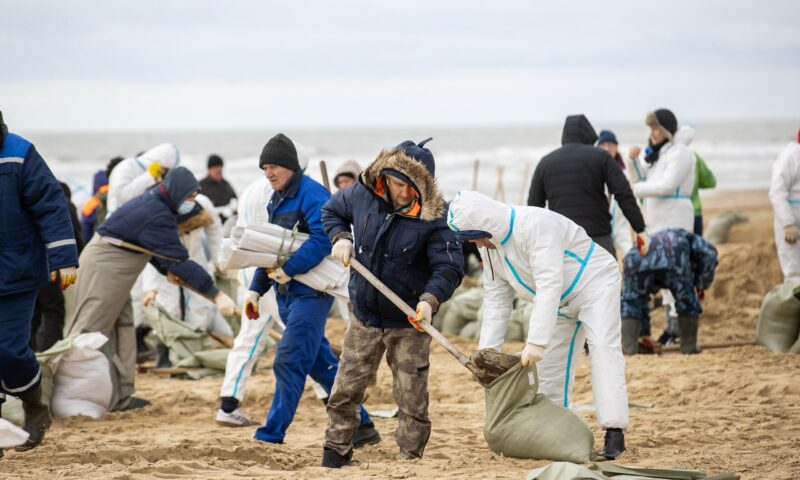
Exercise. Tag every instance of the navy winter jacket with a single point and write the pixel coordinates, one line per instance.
(36, 235)
(412, 255)
(149, 221)
(300, 203)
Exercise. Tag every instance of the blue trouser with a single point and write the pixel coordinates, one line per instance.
(636, 289)
(303, 351)
(19, 370)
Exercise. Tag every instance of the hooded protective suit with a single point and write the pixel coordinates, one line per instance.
(574, 285)
(130, 178)
(784, 193)
(666, 185)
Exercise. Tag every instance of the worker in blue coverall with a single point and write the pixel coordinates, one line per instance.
(304, 350)
(37, 245)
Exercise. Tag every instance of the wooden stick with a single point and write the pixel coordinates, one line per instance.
(710, 346)
(323, 170)
(475, 168)
(522, 184)
(408, 311)
(500, 193)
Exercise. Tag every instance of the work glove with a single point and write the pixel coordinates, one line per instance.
(251, 305)
(149, 297)
(642, 243)
(173, 279)
(342, 251)
(155, 170)
(634, 151)
(790, 233)
(701, 294)
(226, 306)
(532, 354)
(424, 312)
(279, 276)
(64, 276)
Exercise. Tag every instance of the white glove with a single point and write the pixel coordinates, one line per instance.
(226, 306)
(251, 304)
(67, 276)
(279, 276)
(342, 251)
(149, 297)
(423, 313)
(532, 354)
(790, 233)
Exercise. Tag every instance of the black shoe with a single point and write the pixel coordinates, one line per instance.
(614, 444)
(332, 459)
(135, 403)
(37, 418)
(366, 435)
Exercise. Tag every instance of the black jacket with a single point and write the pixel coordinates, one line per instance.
(219, 192)
(571, 181)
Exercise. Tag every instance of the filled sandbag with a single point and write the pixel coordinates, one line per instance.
(522, 423)
(778, 326)
(181, 338)
(82, 382)
(11, 435)
(463, 310)
(719, 228)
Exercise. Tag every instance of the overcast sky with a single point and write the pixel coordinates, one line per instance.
(189, 64)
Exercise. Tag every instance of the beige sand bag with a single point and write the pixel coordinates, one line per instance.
(778, 325)
(524, 424)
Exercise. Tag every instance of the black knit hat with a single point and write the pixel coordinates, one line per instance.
(667, 120)
(280, 151)
(214, 160)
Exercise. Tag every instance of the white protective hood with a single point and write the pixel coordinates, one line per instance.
(166, 154)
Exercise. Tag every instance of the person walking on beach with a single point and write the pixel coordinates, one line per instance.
(545, 258)
(784, 193)
(216, 188)
(621, 233)
(296, 203)
(399, 232)
(572, 181)
(142, 231)
(37, 245)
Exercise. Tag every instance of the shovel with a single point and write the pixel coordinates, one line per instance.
(485, 365)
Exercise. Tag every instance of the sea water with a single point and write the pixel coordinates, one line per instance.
(739, 153)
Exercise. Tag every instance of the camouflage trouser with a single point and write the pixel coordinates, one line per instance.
(407, 354)
(636, 289)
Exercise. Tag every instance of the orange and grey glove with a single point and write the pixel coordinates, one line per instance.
(642, 243)
(64, 276)
(251, 305)
(279, 276)
(149, 297)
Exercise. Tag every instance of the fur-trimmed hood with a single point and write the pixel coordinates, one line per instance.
(431, 199)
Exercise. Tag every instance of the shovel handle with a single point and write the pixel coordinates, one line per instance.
(408, 311)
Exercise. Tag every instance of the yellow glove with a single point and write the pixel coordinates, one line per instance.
(790, 233)
(532, 354)
(67, 276)
(154, 169)
(279, 276)
(149, 297)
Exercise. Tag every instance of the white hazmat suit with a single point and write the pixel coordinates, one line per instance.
(784, 193)
(666, 185)
(547, 259)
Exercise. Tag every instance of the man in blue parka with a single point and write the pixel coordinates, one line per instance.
(143, 230)
(37, 245)
(397, 216)
(303, 351)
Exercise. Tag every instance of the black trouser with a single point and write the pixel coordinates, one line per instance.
(606, 242)
(47, 325)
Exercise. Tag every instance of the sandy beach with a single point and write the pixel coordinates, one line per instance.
(734, 409)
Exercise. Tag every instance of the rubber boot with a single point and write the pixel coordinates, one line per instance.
(614, 444)
(688, 325)
(332, 459)
(366, 435)
(630, 335)
(162, 356)
(37, 418)
(143, 353)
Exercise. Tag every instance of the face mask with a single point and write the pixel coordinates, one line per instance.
(186, 207)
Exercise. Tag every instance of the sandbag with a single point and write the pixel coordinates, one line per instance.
(11, 435)
(524, 424)
(719, 227)
(82, 382)
(463, 310)
(778, 326)
(609, 471)
(180, 337)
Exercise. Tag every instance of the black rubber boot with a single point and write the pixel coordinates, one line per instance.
(614, 444)
(162, 356)
(688, 325)
(630, 335)
(366, 435)
(332, 459)
(37, 418)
